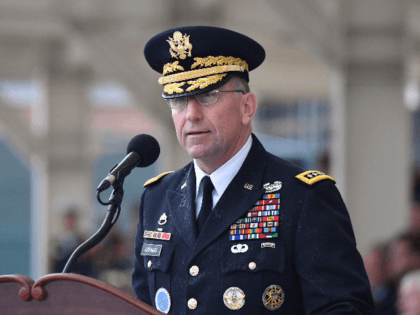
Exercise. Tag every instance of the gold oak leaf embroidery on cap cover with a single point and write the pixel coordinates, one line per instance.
(204, 82)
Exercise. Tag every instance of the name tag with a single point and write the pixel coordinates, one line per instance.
(151, 250)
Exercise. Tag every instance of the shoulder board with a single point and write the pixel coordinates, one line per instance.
(154, 179)
(312, 177)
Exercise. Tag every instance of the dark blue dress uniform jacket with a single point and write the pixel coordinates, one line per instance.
(315, 260)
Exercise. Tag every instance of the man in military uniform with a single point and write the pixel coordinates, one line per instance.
(238, 230)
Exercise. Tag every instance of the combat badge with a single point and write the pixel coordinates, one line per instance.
(273, 297)
(234, 298)
(163, 300)
(272, 187)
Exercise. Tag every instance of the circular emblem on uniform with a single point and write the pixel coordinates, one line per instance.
(234, 298)
(163, 300)
(273, 297)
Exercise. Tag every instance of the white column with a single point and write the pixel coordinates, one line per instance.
(69, 151)
(371, 135)
(39, 255)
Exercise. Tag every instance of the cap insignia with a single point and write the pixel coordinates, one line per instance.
(180, 45)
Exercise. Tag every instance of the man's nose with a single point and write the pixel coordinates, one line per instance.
(194, 109)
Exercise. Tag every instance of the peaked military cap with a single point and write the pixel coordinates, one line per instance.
(197, 59)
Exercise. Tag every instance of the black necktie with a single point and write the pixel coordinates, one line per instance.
(207, 203)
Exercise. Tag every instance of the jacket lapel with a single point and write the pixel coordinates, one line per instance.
(181, 204)
(238, 197)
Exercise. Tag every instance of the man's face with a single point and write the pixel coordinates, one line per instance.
(402, 258)
(211, 133)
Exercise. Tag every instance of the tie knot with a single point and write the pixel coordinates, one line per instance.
(207, 184)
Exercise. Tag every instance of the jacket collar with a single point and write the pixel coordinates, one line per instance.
(238, 198)
(181, 205)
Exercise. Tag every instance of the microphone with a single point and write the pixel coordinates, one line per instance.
(142, 151)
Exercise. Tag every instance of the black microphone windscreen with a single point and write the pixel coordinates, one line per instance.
(147, 147)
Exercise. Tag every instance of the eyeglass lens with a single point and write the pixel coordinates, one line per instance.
(203, 99)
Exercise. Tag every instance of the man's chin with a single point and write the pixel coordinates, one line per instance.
(198, 152)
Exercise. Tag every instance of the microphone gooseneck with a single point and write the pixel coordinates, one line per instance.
(142, 151)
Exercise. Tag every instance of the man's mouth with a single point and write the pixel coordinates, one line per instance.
(193, 133)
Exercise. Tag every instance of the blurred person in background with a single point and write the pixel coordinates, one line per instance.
(409, 294)
(113, 258)
(383, 264)
(414, 215)
(375, 264)
(403, 256)
(69, 240)
(113, 252)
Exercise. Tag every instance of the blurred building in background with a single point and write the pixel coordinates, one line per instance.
(338, 92)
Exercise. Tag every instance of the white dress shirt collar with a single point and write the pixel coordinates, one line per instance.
(221, 177)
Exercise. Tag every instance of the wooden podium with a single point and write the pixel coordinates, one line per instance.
(66, 294)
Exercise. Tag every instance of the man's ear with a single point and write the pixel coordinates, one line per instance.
(249, 106)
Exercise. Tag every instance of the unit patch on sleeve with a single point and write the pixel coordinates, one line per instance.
(312, 177)
(260, 222)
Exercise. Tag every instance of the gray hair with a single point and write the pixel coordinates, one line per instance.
(240, 84)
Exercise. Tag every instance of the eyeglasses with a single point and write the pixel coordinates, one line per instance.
(204, 99)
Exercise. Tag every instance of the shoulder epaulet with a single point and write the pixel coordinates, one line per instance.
(154, 179)
(312, 177)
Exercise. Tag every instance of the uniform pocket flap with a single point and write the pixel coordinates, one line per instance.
(159, 259)
(252, 256)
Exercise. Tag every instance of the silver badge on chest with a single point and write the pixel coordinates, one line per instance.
(269, 188)
(239, 248)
